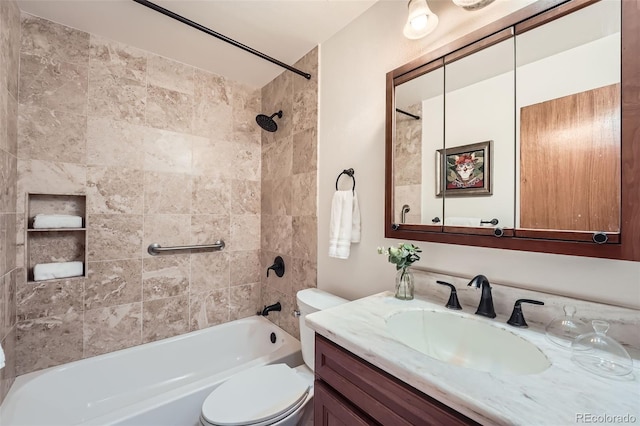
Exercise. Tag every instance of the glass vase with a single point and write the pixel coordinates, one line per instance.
(404, 284)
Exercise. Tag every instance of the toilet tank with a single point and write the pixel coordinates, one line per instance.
(312, 300)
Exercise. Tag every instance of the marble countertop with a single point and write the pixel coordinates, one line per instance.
(564, 394)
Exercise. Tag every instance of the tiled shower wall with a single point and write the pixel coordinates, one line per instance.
(165, 153)
(9, 48)
(289, 188)
(408, 165)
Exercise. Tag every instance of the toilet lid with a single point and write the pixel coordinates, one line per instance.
(256, 396)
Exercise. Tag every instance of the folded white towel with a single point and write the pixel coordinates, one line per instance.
(57, 221)
(344, 225)
(462, 221)
(50, 271)
(1, 358)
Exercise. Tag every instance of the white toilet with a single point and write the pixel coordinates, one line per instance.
(274, 395)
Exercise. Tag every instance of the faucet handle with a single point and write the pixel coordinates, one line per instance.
(453, 298)
(517, 318)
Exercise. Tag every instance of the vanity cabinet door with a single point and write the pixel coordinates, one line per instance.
(332, 410)
(384, 398)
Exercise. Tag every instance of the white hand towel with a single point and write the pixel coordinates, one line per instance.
(57, 221)
(355, 220)
(50, 271)
(1, 358)
(462, 221)
(344, 225)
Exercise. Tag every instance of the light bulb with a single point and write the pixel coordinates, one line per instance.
(419, 22)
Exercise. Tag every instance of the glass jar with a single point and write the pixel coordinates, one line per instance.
(600, 354)
(563, 331)
(404, 284)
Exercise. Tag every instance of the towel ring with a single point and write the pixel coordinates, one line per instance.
(350, 173)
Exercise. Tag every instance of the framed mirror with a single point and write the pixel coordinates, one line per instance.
(541, 114)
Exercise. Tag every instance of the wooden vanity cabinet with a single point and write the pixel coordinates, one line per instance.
(350, 391)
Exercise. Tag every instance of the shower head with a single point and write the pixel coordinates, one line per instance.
(268, 123)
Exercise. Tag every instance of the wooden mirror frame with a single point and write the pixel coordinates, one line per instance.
(624, 245)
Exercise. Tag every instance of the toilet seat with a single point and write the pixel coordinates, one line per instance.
(257, 397)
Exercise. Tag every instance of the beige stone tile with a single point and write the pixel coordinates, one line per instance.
(51, 135)
(12, 279)
(304, 274)
(45, 342)
(169, 74)
(4, 247)
(8, 175)
(166, 230)
(244, 301)
(53, 85)
(246, 103)
(305, 110)
(283, 283)
(111, 58)
(276, 96)
(4, 295)
(10, 51)
(308, 63)
(245, 267)
(116, 97)
(47, 177)
(115, 143)
(114, 190)
(214, 158)
(245, 197)
(288, 322)
(8, 122)
(210, 195)
(304, 194)
(305, 151)
(170, 152)
(169, 110)
(245, 232)
(114, 236)
(45, 299)
(8, 373)
(412, 196)
(52, 40)
(164, 318)
(247, 159)
(209, 309)
(276, 233)
(305, 237)
(212, 109)
(165, 276)
(209, 271)
(111, 283)
(10, 246)
(277, 160)
(112, 328)
(276, 196)
(12, 125)
(206, 229)
(168, 193)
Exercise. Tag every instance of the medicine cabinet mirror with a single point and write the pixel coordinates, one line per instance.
(522, 134)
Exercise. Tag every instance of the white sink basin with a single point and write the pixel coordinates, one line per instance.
(466, 342)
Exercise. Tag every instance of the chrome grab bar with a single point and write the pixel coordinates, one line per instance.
(155, 248)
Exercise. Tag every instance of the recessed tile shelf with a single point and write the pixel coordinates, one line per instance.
(47, 245)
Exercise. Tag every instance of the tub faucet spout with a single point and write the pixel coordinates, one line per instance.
(275, 307)
(485, 308)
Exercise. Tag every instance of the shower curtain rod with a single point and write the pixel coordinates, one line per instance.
(222, 37)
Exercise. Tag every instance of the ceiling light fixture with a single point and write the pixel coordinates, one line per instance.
(421, 20)
(472, 4)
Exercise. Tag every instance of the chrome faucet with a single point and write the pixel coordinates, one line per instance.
(485, 308)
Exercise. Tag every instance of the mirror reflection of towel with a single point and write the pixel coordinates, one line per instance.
(344, 225)
(462, 221)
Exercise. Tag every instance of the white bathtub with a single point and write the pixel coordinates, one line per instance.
(159, 383)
